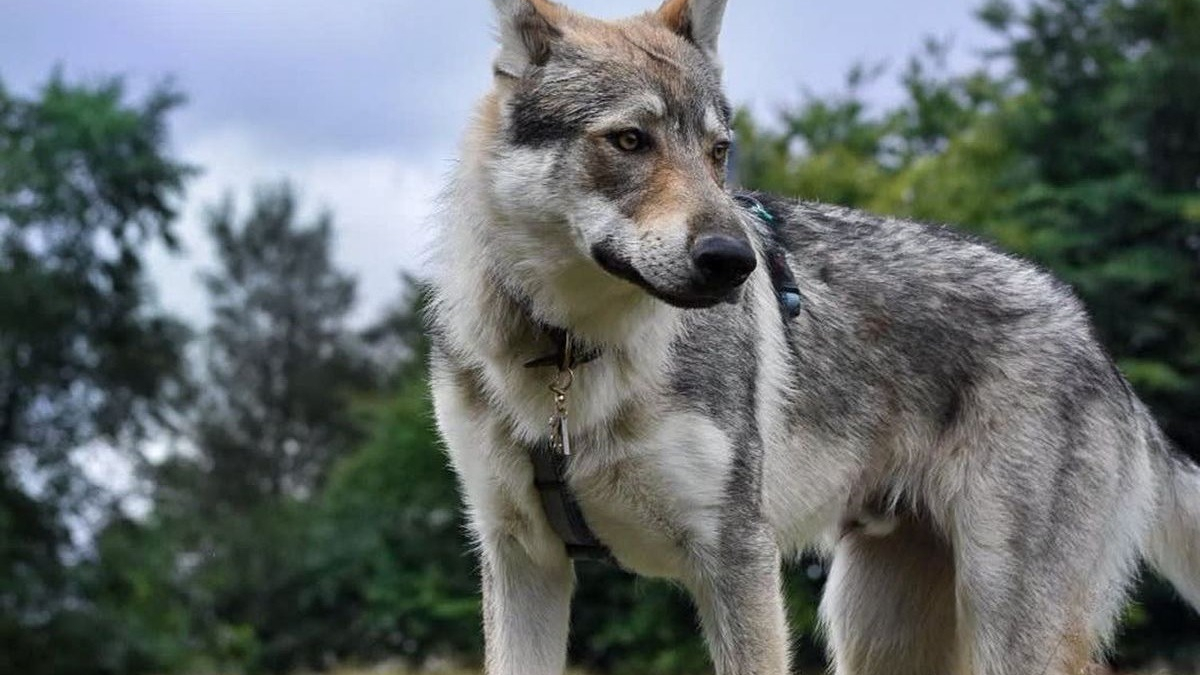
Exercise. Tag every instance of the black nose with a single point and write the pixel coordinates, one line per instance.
(722, 261)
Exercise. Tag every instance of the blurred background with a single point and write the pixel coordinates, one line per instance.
(216, 452)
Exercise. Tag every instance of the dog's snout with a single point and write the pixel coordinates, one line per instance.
(722, 261)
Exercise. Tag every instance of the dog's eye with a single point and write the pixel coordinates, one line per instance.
(720, 152)
(629, 140)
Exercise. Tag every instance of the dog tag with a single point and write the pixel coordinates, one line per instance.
(560, 436)
(564, 436)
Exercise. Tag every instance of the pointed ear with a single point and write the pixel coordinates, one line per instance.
(696, 20)
(527, 30)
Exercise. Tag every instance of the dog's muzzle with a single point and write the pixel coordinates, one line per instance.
(718, 282)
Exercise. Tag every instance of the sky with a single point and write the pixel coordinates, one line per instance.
(360, 103)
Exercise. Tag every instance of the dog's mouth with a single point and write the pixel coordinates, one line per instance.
(694, 299)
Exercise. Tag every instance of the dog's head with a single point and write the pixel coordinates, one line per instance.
(617, 133)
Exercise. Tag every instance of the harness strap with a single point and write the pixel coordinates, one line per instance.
(562, 509)
(550, 468)
(786, 288)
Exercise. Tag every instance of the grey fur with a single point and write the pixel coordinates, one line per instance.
(940, 420)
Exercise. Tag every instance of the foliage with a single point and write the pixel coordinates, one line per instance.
(392, 519)
(1116, 156)
(240, 507)
(86, 182)
(282, 363)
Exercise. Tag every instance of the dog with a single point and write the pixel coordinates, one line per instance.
(938, 419)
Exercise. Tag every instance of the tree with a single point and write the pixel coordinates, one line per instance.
(86, 182)
(1105, 119)
(282, 362)
(239, 505)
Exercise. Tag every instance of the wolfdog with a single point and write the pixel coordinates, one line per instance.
(937, 417)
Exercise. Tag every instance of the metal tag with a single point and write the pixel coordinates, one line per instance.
(564, 435)
(560, 435)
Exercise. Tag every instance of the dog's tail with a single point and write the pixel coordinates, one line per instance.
(1174, 547)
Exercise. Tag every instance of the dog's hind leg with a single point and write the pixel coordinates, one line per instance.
(1045, 535)
(889, 604)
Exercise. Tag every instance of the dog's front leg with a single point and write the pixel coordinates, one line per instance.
(526, 609)
(526, 574)
(738, 594)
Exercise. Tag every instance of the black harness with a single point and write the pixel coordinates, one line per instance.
(550, 464)
(550, 470)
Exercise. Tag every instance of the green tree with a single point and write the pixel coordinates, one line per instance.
(239, 504)
(1105, 119)
(395, 550)
(86, 182)
(282, 361)
(392, 564)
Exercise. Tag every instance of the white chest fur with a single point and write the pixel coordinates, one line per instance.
(649, 476)
(655, 497)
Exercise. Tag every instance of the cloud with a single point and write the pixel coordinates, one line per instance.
(401, 75)
(380, 203)
(361, 103)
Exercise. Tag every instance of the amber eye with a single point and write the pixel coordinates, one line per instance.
(720, 152)
(629, 140)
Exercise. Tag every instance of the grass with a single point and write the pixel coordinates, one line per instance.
(393, 669)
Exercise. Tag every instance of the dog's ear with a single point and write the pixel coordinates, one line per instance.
(696, 20)
(527, 30)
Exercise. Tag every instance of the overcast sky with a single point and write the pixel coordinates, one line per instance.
(360, 102)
